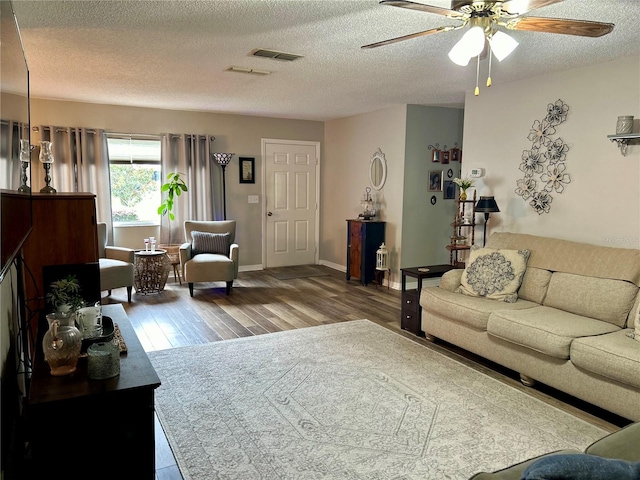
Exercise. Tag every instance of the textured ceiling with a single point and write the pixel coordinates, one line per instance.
(173, 54)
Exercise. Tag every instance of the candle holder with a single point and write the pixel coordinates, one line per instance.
(223, 160)
(25, 160)
(46, 158)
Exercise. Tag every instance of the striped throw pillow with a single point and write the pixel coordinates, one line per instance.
(205, 242)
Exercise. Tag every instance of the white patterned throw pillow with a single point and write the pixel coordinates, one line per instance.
(494, 274)
(205, 242)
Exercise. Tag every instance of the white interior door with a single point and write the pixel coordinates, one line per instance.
(291, 203)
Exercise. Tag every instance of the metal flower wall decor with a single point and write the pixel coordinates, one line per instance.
(546, 160)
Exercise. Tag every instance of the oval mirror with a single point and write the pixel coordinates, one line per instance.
(378, 170)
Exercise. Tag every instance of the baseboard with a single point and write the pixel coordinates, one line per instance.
(335, 266)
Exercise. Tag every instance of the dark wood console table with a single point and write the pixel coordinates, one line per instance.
(82, 428)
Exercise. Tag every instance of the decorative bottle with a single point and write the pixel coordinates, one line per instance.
(61, 345)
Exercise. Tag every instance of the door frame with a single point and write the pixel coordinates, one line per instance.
(264, 143)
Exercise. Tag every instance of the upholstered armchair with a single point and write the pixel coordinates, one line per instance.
(116, 264)
(210, 253)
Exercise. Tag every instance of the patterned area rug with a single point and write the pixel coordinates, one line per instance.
(346, 401)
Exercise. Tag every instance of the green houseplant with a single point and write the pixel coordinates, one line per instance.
(64, 295)
(174, 187)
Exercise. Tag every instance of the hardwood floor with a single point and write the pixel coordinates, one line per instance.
(269, 301)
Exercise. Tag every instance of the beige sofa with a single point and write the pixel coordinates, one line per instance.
(569, 327)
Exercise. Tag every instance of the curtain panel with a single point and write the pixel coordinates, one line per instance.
(190, 155)
(81, 164)
(10, 165)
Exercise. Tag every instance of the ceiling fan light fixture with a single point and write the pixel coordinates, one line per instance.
(502, 45)
(470, 45)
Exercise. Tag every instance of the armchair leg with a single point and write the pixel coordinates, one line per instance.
(109, 293)
(229, 285)
(191, 288)
(129, 289)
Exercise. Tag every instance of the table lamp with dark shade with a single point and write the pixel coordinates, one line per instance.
(486, 205)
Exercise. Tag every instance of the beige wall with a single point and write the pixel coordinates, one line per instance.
(234, 133)
(601, 205)
(349, 145)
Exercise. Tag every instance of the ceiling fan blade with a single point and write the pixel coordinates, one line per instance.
(408, 37)
(423, 8)
(520, 7)
(583, 28)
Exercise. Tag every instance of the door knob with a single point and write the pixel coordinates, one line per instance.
(269, 213)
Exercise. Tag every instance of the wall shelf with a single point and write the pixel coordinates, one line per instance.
(624, 139)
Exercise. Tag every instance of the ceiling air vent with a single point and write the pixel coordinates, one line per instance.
(285, 57)
(233, 68)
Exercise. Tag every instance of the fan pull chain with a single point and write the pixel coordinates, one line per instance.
(489, 77)
(477, 92)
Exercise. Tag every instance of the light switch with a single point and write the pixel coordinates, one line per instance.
(254, 199)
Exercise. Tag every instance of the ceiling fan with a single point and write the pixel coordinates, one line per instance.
(484, 18)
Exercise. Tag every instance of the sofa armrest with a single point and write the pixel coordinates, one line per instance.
(623, 444)
(119, 253)
(184, 252)
(234, 254)
(451, 280)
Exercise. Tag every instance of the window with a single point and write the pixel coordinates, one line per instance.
(134, 165)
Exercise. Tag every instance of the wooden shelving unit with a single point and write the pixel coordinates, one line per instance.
(462, 229)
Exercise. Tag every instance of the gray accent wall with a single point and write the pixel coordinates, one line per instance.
(425, 227)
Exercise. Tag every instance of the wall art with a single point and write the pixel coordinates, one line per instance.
(247, 170)
(435, 152)
(435, 181)
(544, 166)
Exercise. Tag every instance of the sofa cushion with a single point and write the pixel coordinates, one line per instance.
(495, 274)
(470, 311)
(545, 330)
(581, 467)
(534, 284)
(205, 242)
(599, 298)
(613, 356)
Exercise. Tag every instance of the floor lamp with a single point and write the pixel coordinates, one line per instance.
(486, 205)
(223, 160)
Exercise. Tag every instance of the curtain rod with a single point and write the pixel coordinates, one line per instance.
(62, 130)
(133, 135)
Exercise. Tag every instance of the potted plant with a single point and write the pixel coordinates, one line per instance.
(174, 187)
(464, 184)
(64, 296)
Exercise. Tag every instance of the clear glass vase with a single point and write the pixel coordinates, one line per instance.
(61, 345)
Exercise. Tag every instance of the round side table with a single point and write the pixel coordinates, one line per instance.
(151, 271)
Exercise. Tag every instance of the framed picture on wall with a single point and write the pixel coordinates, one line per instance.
(247, 170)
(444, 156)
(449, 190)
(455, 154)
(435, 181)
(435, 155)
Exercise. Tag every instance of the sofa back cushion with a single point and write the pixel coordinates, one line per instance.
(534, 284)
(599, 298)
(566, 256)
